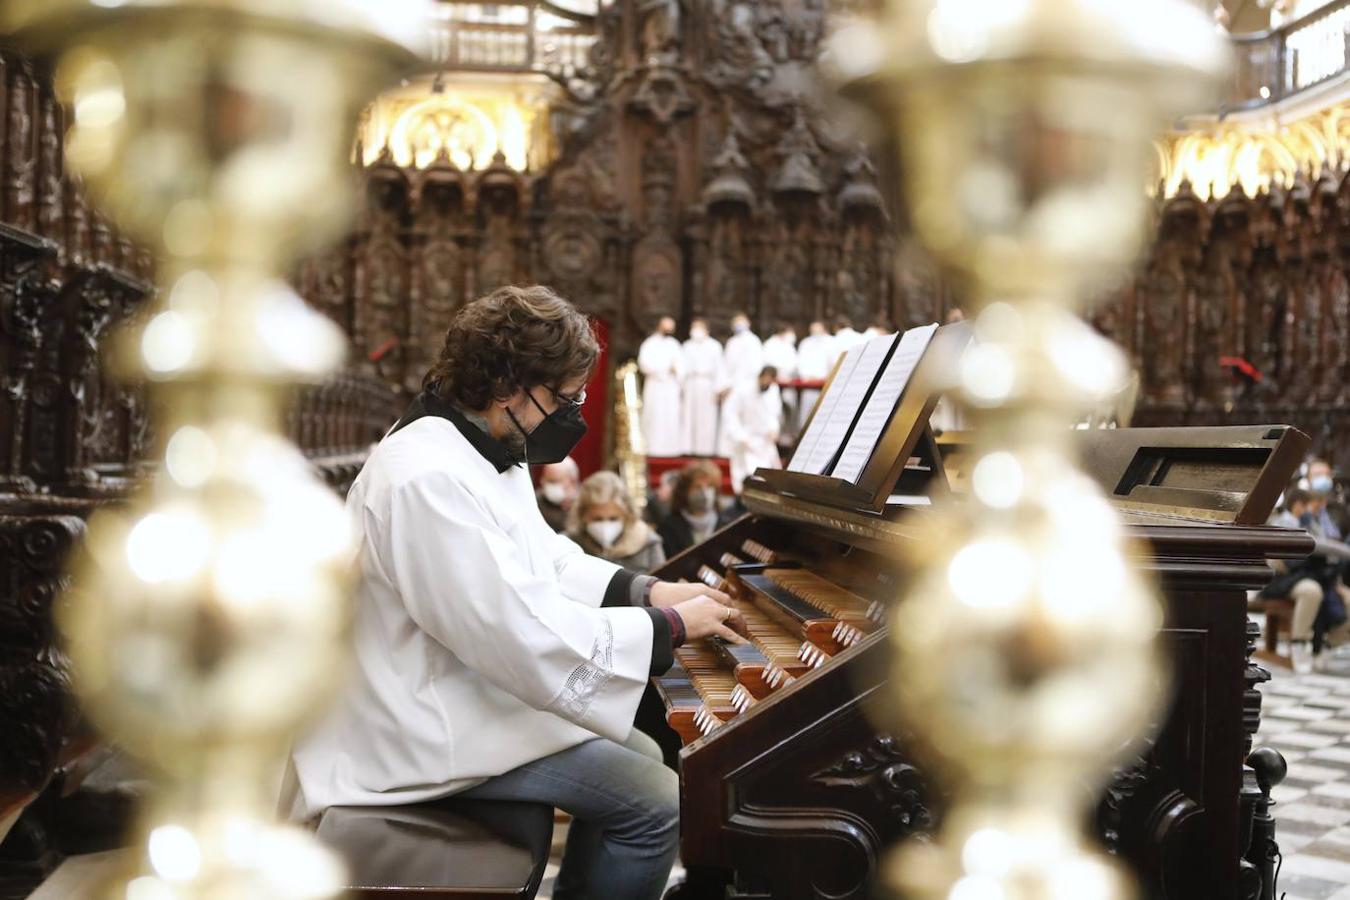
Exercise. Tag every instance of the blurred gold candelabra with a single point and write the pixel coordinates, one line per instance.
(207, 622)
(630, 448)
(1025, 646)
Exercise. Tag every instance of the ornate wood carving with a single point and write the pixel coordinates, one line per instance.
(1263, 279)
(34, 714)
(696, 174)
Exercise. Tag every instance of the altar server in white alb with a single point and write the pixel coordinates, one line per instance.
(493, 658)
(753, 417)
(780, 351)
(744, 357)
(845, 336)
(702, 378)
(815, 358)
(661, 362)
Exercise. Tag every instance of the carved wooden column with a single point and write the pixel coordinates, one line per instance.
(1334, 327)
(25, 336)
(94, 427)
(20, 150)
(1218, 296)
(1264, 320)
(438, 269)
(1165, 286)
(35, 710)
(381, 278)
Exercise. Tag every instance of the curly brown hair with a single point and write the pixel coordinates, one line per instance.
(515, 337)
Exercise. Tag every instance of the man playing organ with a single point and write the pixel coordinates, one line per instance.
(493, 658)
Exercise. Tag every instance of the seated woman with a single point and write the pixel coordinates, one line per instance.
(604, 523)
(694, 513)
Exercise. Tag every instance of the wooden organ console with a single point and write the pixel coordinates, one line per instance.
(793, 782)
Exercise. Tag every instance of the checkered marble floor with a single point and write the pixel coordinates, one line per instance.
(1307, 718)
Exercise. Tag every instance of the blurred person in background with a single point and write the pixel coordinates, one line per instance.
(557, 491)
(604, 523)
(659, 499)
(1314, 584)
(661, 362)
(753, 418)
(845, 337)
(780, 351)
(1319, 482)
(694, 512)
(703, 377)
(815, 358)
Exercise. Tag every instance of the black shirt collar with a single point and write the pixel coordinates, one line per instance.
(429, 403)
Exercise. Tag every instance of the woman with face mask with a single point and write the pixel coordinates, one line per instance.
(493, 658)
(694, 511)
(603, 523)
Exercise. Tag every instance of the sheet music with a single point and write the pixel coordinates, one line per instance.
(804, 458)
(877, 415)
(839, 405)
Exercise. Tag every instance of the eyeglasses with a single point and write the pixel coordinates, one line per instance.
(576, 401)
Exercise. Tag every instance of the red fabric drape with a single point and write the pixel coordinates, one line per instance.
(590, 453)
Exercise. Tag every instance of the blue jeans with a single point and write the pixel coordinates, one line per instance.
(625, 807)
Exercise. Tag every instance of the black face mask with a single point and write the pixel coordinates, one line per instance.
(555, 437)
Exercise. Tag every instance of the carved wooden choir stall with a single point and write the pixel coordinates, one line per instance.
(1241, 311)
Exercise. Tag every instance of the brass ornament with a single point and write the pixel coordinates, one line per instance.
(207, 622)
(1024, 646)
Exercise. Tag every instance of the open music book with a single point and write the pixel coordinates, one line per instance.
(854, 411)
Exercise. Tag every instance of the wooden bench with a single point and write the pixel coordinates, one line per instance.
(1279, 613)
(452, 848)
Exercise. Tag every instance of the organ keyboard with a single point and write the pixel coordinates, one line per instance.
(793, 780)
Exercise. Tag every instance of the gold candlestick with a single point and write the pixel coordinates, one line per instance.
(206, 625)
(1024, 649)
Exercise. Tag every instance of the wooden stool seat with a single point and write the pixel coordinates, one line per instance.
(1279, 613)
(443, 849)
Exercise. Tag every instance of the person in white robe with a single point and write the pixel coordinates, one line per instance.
(780, 351)
(815, 359)
(661, 362)
(744, 354)
(881, 325)
(492, 657)
(845, 337)
(744, 357)
(702, 379)
(753, 418)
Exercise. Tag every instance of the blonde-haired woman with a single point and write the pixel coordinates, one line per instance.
(604, 523)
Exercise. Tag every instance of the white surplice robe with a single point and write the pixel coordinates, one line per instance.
(752, 419)
(815, 358)
(780, 353)
(661, 362)
(702, 379)
(845, 339)
(743, 357)
(480, 643)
